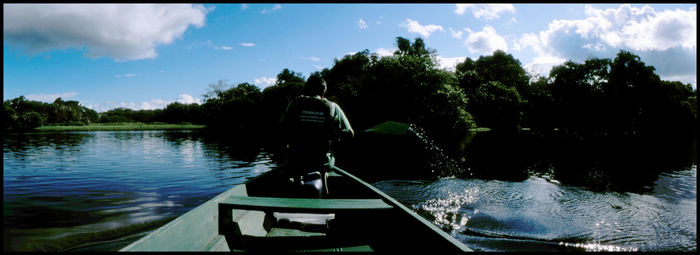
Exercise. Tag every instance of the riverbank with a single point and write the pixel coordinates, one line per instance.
(126, 126)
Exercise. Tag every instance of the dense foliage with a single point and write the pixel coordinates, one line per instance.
(22, 114)
(620, 96)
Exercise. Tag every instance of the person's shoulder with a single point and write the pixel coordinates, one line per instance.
(329, 102)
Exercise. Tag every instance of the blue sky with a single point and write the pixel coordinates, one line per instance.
(147, 56)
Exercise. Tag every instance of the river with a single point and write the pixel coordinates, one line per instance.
(62, 190)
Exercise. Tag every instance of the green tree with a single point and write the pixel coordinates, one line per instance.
(492, 85)
(24, 114)
(500, 67)
(539, 108)
(496, 106)
(235, 108)
(405, 87)
(630, 85)
(348, 85)
(275, 98)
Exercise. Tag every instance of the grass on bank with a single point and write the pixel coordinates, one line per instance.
(121, 127)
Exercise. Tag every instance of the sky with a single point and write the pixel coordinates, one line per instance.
(142, 56)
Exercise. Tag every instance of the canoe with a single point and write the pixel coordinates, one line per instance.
(263, 215)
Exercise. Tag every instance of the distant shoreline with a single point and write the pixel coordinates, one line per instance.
(120, 127)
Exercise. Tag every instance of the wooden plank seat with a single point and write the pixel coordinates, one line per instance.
(286, 239)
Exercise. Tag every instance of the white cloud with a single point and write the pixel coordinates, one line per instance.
(264, 82)
(415, 27)
(318, 67)
(314, 59)
(187, 99)
(640, 29)
(382, 52)
(663, 39)
(542, 65)
(245, 44)
(274, 8)
(223, 48)
(51, 97)
(119, 31)
(485, 41)
(126, 75)
(145, 105)
(461, 8)
(487, 11)
(361, 23)
(449, 63)
(152, 104)
(456, 34)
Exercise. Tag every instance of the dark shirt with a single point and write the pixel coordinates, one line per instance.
(309, 126)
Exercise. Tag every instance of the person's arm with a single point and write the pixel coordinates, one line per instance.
(343, 122)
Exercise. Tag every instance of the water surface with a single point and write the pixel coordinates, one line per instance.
(60, 185)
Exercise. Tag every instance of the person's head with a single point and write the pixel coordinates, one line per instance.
(315, 86)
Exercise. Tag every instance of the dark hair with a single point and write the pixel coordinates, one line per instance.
(315, 86)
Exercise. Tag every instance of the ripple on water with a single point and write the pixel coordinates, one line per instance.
(541, 212)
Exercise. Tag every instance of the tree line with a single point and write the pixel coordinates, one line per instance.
(22, 114)
(620, 96)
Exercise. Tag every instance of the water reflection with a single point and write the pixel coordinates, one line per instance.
(537, 195)
(24, 142)
(599, 164)
(63, 184)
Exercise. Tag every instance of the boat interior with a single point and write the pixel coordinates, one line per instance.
(267, 214)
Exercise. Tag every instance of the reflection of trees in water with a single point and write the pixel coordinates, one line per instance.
(228, 147)
(59, 141)
(597, 163)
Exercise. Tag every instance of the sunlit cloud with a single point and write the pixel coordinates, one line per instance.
(663, 39)
(246, 44)
(152, 104)
(382, 52)
(486, 11)
(51, 97)
(540, 66)
(264, 82)
(315, 59)
(449, 63)
(415, 27)
(361, 23)
(274, 8)
(485, 41)
(120, 31)
(126, 75)
(456, 34)
(223, 48)
(188, 99)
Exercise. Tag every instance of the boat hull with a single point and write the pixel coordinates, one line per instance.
(358, 217)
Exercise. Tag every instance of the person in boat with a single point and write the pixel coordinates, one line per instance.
(310, 126)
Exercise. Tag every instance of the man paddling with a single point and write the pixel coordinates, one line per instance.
(309, 126)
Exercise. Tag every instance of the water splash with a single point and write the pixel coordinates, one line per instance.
(450, 212)
(598, 247)
(438, 161)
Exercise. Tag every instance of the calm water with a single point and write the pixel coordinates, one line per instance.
(58, 185)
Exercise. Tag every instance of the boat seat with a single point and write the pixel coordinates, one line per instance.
(301, 205)
(292, 238)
